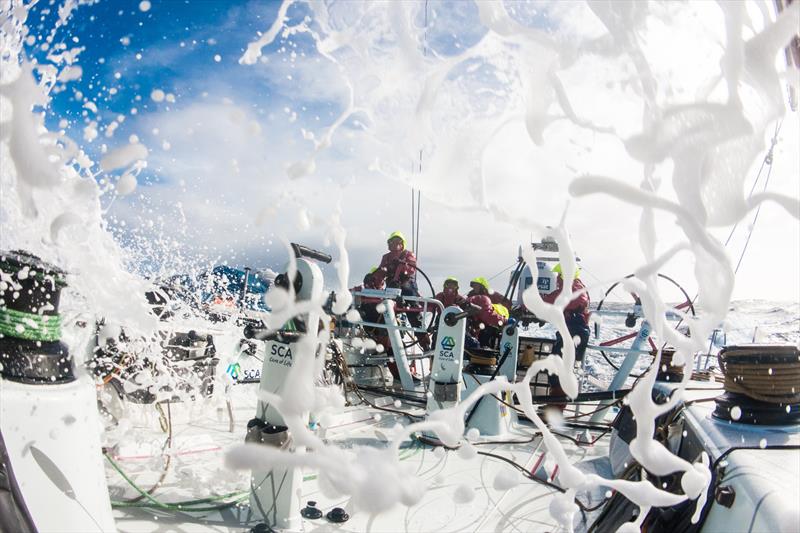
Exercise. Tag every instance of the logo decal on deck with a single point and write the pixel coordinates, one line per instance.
(448, 343)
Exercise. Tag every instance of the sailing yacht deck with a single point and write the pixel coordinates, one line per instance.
(501, 498)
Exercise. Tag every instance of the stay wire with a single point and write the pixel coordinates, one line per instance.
(419, 192)
(413, 218)
(764, 162)
(767, 160)
(419, 208)
(509, 267)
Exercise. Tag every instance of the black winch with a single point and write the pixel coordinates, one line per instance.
(31, 350)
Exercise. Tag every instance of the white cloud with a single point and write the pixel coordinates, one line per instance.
(236, 196)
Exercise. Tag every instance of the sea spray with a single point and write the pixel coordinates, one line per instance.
(55, 200)
(49, 206)
(414, 101)
(702, 139)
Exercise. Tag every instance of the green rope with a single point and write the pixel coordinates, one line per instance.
(180, 506)
(191, 505)
(29, 326)
(188, 505)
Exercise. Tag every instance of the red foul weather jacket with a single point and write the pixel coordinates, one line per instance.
(451, 299)
(578, 306)
(399, 266)
(496, 298)
(487, 316)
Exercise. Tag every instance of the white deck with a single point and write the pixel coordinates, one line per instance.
(201, 436)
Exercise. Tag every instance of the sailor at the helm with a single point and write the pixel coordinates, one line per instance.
(400, 266)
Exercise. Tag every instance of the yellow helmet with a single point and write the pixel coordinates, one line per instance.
(557, 270)
(481, 281)
(451, 278)
(501, 310)
(398, 234)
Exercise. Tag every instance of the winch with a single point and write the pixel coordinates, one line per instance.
(50, 456)
(274, 492)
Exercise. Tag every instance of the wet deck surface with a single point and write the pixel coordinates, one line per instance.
(201, 435)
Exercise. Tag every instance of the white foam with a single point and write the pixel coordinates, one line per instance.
(123, 156)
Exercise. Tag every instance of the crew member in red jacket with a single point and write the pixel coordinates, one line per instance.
(449, 295)
(400, 266)
(576, 314)
(487, 325)
(366, 305)
(480, 285)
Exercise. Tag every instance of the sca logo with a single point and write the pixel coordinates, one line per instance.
(448, 343)
(507, 346)
(281, 350)
(233, 370)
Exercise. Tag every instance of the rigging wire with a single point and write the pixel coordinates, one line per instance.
(509, 267)
(413, 218)
(419, 200)
(583, 269)
(415, 236)
(767, 160)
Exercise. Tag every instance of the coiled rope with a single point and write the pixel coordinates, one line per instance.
(29, 326)
(764, 373)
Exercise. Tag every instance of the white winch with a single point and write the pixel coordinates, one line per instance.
(274, 492)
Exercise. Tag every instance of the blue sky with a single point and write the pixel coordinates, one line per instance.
(221, 139)
(190, 52)
(187, 49)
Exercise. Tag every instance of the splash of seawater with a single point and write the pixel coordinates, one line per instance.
(451, 100)
(421, 101)
(51, 199)
(55, 199)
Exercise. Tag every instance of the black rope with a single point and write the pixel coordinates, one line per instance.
(729, 451)
(438, 444)
(420, 400)
(342, 364)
